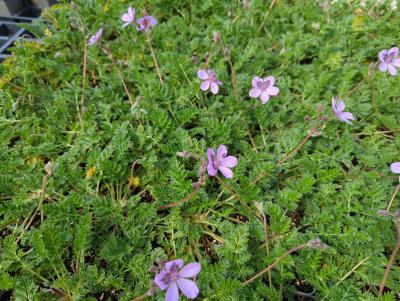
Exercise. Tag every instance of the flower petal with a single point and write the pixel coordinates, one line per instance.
(340, 107)
(153, 21)
(395, 167)
(169, 264)
(214, 88)
(264, 97)
(255, 92)
(221, 152)
(131, 12)
(188, 288)
(205, 85)
(172, 292)
(190, 270)
(334, 109)
(202, 74)
(226, 172)
(158, 280)
(383, 66)
(346, 117)
(212, 171)
(393, 51)
(273, 91)
(392, 70)
(382, 54)
(126, 18)
(255, 80)
(396, 63)
(271, 80)
(230, 161)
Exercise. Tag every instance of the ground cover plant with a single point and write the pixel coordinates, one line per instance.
(217, 150)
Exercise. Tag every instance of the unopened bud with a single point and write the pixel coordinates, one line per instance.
(216, 37)
(314, 132)
(320, 108)
(317, 244)
(259, 206)
(383, 212)
(184, 154)
(307, 118)
(153, 269)
(324, 118)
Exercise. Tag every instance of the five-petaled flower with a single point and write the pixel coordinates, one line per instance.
(220, 162)
(210, 80)
(97, 36)
(338, 111)
(128, 17)
(263, 88)
(174, 276)
(146, 23)
(389, 61)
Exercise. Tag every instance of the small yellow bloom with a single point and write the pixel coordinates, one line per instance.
(133, 182)
(90, 172)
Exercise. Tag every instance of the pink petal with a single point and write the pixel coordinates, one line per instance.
(273, 91)
(230, 161)
(396, 63)
(341, 106)
(214, 88)
(125, 24)
(172, 292)
(169, 264)
(392, 70)
(190, 270)
(226, 172)
(334, 109)
(255, 80)
(271, 80)
(395, 167)
(188, 288)
(221, 152)
(205, 85)
(345, 117)
(382, 54)
(255, 92)
(126, 18)
(131, 12)
(159, 280)
(383, 66)
(394, 51)
(202, 74)
(264, 97)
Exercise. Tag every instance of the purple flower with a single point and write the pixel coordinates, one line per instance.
(220, 162)
(209, 80)
(389, 60)
(146, 23)
(93, 39)
(128, 17)
(395, 167)
(263, 88)
(338, 111)
(174, 277)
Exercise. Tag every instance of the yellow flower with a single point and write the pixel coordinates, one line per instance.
(133, 182)
(90, 172)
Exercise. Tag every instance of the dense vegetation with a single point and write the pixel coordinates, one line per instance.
(89, 140)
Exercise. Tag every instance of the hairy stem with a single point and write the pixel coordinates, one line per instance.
(80, 109)
(185, 199)
(142, 297)
(266, 243)
(154, 58)
(271, 266)
(391, 260)
(393, 197)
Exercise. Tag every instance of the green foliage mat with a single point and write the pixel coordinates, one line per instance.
(91, 230)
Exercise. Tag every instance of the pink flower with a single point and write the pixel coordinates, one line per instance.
(97, 36)
(263, 88)
(389, 61)
(128, 17)
(146, 23)
(338, 111)
(174, 277)
(210, 81)
(220, 162)
(395, 167)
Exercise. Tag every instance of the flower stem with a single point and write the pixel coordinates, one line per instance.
(80, 109)
(185, 199)
(271, 266)
(393, 197)
(148, 39)
(390, 263)
(266, 243)
(142, 297)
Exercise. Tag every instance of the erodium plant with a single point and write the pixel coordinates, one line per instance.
(111, 165)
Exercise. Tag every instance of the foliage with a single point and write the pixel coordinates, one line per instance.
(99, 230)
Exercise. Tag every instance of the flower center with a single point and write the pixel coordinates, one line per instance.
(263, 85)
(172, 275)
(388, 58)
(212, 76)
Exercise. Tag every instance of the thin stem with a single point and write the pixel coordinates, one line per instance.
(267, 13)
(142, 297)
(185, 199)
(80, 109)
(148, 39)
(210, 54)
(266, 243)
(393, 197)
(390, 263)
(271, 266)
